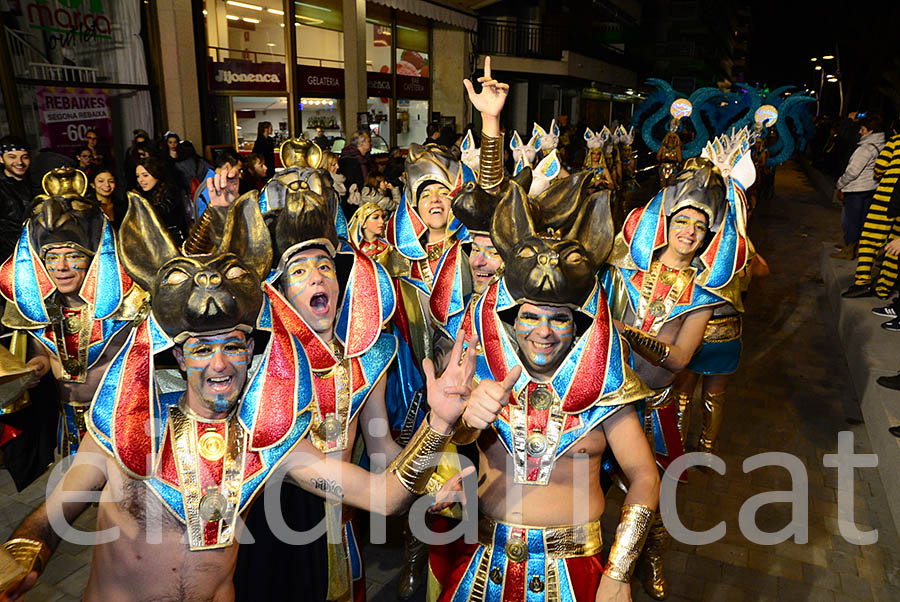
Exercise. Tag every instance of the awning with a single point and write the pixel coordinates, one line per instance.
(434, 12)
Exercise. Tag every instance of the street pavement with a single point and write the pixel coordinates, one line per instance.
(792, 393)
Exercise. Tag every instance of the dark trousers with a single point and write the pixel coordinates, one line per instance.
(853, 215)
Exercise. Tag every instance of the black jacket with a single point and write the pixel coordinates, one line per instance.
(15, 202)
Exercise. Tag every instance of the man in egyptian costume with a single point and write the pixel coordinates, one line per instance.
(561, 392)
(672, 264)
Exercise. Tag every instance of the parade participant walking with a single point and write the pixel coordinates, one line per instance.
(663, 303)
(545, 408)
(185, 464)
(79, 317)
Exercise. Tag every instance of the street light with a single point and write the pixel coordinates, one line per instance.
(827, 57)
(814, 59)
(818, 67)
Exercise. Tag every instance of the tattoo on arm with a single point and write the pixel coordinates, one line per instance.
(330, 488)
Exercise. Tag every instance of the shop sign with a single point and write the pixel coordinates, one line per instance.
(236, 74)
(321, 79)
(412, 87)
(66, 114)
(378, 84)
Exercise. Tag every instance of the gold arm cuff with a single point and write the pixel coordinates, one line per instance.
(464, 434)
(648, 347)
(490, 171)
(417, 461)
(434, 484)
(631, 533)
(27, 553)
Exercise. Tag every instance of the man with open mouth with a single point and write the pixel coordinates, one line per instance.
(51, 287)
(662, 298)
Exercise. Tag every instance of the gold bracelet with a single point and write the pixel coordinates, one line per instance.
(27, 552)
(648, 347)
(490, 169)
(634, 525)
(417, 461)
(464, 434)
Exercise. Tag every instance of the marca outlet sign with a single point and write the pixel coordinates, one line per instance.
(235, 74)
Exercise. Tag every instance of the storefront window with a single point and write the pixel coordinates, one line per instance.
(378, 65)
(413, 71)
(250, 111)
(86, 55)
(322, 114)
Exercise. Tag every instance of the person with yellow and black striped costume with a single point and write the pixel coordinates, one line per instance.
(881, 226)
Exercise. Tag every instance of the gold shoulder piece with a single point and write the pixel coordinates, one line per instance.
(16, 321)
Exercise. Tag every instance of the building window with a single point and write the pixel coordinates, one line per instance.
(413, 71)
(379, 76)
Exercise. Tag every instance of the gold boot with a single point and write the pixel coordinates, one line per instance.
(713, 414)
(684, 415)
(655, 583)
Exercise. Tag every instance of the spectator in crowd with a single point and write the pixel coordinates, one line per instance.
(253, 174)
(356, 164)
(170, 145)
(265, 146)
(881, 226)
(447, 137)
(432, 133)
(379, 191)
(394, 168)
(227, 160)
(322, 140)
(84, 159)
(162, 195)
(139, 150)
(16, 191)
(192, 171)
(103, 190)
(92, 140)
(330, 164)
(857, 184)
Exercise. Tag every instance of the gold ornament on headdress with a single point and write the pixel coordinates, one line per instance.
(65, 181)
(300, 152)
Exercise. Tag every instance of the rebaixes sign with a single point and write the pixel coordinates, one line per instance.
(234, 74)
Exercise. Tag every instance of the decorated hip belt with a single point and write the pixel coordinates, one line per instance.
(71, 427)
(515, 562)
(723, 329)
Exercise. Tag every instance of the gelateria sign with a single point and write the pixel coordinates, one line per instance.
(76, 20)
(235, 74)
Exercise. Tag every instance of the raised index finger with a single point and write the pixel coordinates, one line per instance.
(487, 67)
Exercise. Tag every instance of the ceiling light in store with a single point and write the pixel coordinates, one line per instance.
(249, 20)
(270, 45)
(827, 57)
(243, 5)
(232, 17)
(814, 59)
(205, 12)
(322, 8)
(818, 67)
(275, 11)
(308, 21)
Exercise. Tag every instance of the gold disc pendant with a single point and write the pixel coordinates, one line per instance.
(211, 446)
(657, 309)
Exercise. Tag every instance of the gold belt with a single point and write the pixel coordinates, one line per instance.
(559, 542)
(721, 330)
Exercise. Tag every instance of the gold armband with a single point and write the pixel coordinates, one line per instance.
(464, 434)
(634, 525)
(27, 552)
(490, 171)
(418, 460)
(648, 347)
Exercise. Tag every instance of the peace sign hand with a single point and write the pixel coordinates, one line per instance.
(492, 97)
(447, 395)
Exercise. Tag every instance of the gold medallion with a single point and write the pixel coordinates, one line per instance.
(72, 324)
(213, 505)
(540, 398)
(536, 585)
(516, 550)
(211, 446)
(536, 444)
(72, 366)
(657, 309)
(435, 251)
(496, 576)
(667, 277)
(330, 429)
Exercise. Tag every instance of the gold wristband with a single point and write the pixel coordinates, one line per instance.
(634, 525)
(464, 434)
(490, 169)
(648, 347)
(417, 461)
(27, 552)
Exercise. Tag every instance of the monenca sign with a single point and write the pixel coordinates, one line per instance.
(233, 74)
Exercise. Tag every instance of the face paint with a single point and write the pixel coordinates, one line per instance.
(67, 267)
(484, 262)
(545, 335)
(687, 231)
(216, 369)
(310, 284)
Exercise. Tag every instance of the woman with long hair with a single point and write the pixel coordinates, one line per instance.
(103, 190)
(265, 146)
(162, 195)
